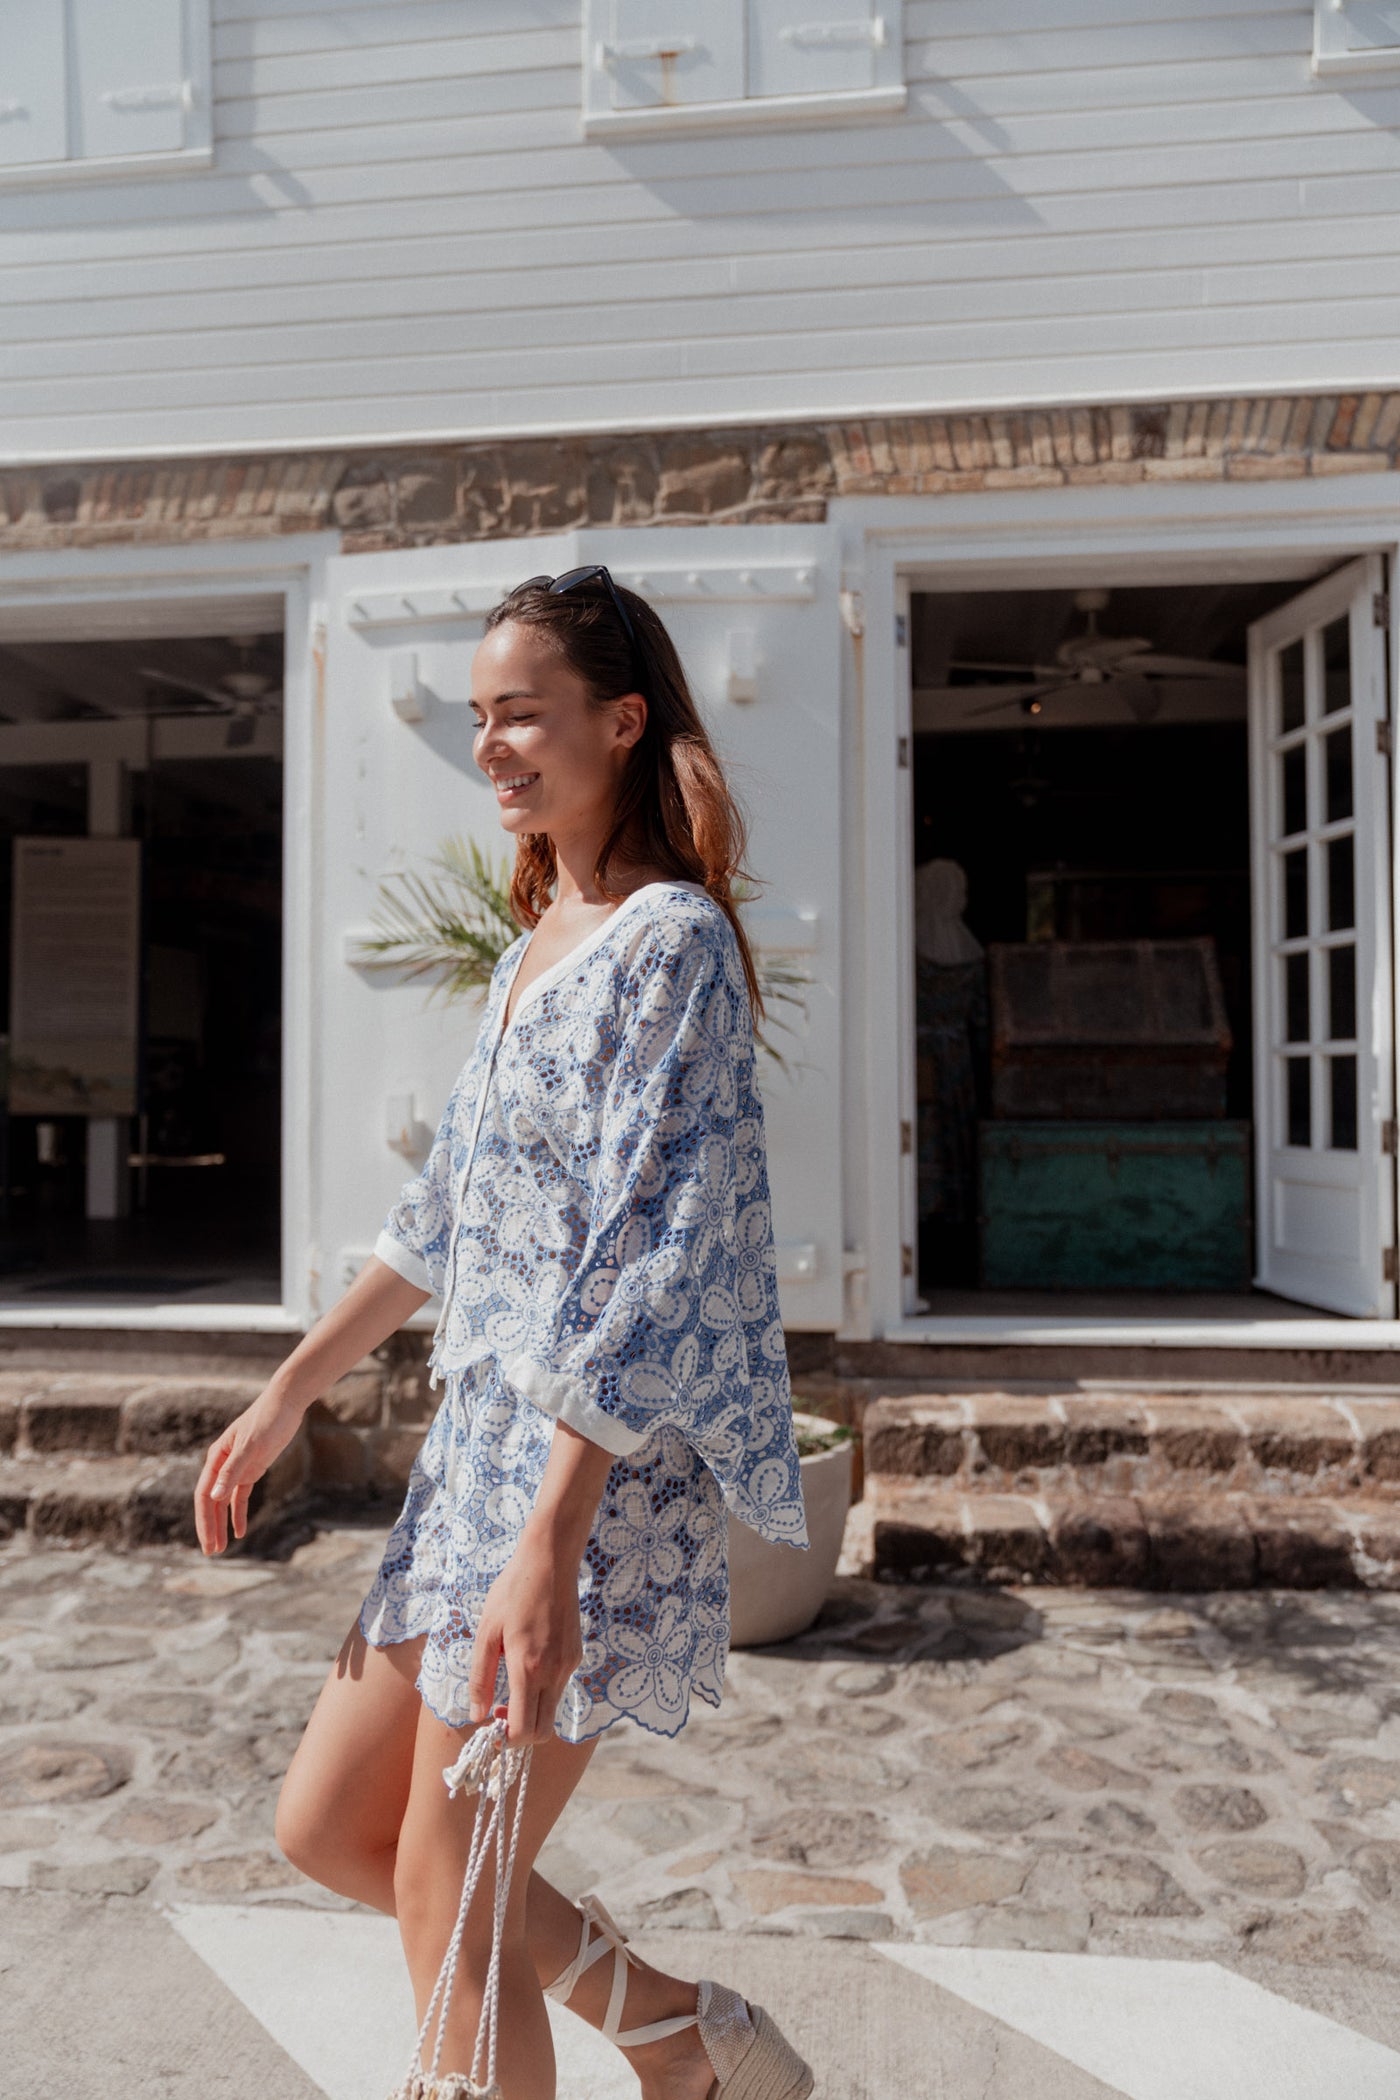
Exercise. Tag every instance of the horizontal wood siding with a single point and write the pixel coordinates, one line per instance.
(405, 235)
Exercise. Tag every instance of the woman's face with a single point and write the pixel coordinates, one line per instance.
(555, 762)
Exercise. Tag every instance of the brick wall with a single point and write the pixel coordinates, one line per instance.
(379, 498)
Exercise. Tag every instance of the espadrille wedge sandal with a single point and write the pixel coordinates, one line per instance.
(750, 2057)
(489, 1770)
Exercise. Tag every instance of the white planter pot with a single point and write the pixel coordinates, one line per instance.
(775, 1592)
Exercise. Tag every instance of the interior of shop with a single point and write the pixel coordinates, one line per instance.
(140, 981)
(1082, 925)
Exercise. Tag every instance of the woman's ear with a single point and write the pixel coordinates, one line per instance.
(629, 718)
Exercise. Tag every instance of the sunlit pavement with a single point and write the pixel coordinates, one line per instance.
(959, 1841)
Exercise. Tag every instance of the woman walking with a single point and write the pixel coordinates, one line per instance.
(594, 1217)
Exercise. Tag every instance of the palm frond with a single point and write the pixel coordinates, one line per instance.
(451, 922)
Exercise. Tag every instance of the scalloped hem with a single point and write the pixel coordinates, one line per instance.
(588, 1735)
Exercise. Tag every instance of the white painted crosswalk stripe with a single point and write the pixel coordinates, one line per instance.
(331, 1988)
(1164, 2030)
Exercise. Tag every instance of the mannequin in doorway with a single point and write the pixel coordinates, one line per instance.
(952, 1049)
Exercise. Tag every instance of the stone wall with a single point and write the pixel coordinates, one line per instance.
(379, 498)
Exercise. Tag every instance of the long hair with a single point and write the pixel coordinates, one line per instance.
(675, 809)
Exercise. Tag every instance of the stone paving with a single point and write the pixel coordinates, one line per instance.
(1062, 1770)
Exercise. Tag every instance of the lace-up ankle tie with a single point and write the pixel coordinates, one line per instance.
(750, 2057)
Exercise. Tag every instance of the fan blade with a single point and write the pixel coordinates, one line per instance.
(187, 685)
(1188, 667)
(966, 663)
(964, 692)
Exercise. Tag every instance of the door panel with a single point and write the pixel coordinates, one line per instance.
(1324, 1082)
(754, 614)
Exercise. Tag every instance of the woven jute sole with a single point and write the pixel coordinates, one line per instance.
(771, 2069)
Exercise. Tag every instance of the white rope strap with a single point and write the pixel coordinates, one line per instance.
(610, 1936)
(486, 1767)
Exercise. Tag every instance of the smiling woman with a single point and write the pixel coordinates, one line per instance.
(594, 1216)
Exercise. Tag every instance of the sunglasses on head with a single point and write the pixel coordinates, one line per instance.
(570, 580)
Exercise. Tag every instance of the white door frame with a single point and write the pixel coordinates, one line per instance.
(1138, 533)
(101, 593)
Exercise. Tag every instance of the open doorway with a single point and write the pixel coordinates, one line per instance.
(141, 851)
(1089, 943)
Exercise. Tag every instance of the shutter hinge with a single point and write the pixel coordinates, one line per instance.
(901, 631)
(906, 1264)
(172, 94)
(871, 30)
(903, 753)
(906, 1135)
(1390, 1265)
(1385, 743)
(1380, 608)
(1390, 1136)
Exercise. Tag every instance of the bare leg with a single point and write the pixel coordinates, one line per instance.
(432, 1855)
(343, 1806)
(346, 1789)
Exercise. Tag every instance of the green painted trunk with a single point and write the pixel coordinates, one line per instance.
(1115, 1206)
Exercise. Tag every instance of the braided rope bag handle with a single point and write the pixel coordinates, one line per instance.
(488, 1769)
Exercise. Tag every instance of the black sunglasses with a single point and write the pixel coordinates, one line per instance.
(570, 580)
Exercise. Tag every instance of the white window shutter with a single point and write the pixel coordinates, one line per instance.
(1356, 37)
(814, 47)
(33, 115)
(663, 52)
(131, 88)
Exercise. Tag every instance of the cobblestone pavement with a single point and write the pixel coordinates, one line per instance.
(1063, 1770)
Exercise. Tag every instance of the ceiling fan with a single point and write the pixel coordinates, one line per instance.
(1124, 667)
(242, 695)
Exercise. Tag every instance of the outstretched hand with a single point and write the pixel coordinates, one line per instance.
(236, 1461)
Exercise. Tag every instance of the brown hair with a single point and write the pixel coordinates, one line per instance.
(675, 809)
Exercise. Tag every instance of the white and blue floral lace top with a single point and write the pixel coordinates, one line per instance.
(594, 1213)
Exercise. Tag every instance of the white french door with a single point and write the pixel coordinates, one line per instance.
(1323, 980)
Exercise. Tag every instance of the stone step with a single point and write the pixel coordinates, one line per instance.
(1210, 1539)
(131, 1499)
(42, 1414)
(1150, 1441)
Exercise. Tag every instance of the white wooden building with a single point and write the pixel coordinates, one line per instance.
(865, 341)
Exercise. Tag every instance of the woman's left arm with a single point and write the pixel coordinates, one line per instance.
(531, 1613)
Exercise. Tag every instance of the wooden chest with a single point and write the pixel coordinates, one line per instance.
(1100, 1207)
(1107, 1030)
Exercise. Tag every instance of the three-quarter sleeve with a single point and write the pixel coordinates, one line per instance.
(416, 1235)
(663, 1310)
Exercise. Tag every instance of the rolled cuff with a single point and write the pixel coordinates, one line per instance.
(568, 1401)
(405, 1263)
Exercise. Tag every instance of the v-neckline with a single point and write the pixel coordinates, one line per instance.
(580, 948)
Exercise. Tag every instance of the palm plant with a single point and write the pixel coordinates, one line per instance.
(451, 922)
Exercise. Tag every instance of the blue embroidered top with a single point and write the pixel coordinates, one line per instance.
(595, 1209)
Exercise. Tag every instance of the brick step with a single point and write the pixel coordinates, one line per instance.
(131, 1499)
(1151, 1442)
(1213, 1538)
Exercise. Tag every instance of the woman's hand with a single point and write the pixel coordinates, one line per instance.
(237, 1458)
(531, 1617)
(374, 1307)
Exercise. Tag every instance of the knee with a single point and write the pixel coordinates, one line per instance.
(303, 1830)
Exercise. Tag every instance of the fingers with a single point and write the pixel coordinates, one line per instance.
(222, 1492)
(209, 1512)
(481, 1681)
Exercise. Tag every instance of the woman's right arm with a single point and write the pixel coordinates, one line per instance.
(376, 1305)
